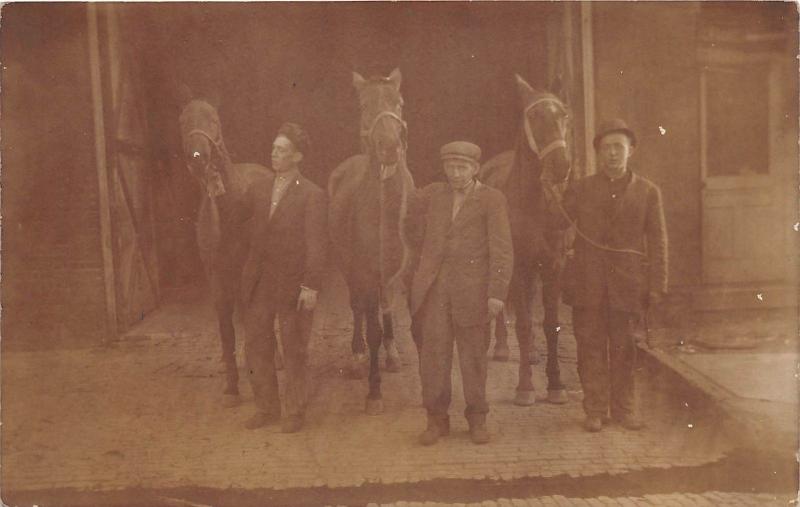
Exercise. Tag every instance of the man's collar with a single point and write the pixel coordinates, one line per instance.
(291, 174)
(626, 176)
(468, 189)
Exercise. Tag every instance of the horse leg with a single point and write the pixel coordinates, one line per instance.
(501, 351)
(392, 354)
(228, 341)
(374, 403)
(521, 301)
(278, 346)
(551, 295)
(358, 366)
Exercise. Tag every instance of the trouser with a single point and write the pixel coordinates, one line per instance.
(260, 346)
(606, 360)
(439, 331)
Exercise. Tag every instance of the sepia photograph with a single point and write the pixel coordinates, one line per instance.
(404, 254)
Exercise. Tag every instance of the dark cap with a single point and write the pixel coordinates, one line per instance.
(613, 126)
(461, 149)
(297, 135)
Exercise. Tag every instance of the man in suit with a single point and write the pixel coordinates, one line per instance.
(462, 276)
(619, 267)
(281, 278)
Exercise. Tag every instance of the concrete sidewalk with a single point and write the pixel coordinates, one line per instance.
(748, 364)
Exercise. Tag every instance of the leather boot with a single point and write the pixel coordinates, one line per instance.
(437, 427)
(477, 429)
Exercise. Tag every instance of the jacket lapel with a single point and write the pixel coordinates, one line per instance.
(292, 191)
(625, 197)
(468, 207)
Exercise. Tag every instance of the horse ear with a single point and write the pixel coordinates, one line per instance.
(358, 81)
(395, 77)
(524, 88)
(185, 94)
(557, 86)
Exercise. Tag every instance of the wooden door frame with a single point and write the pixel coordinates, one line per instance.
(711, 59)
(106, 247)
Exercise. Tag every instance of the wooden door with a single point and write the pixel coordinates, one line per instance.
(130, 179)
(743, 202)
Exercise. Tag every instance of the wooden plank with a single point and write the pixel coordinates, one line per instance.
(102, 174)
(587, 57)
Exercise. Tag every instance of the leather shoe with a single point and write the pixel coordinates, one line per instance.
(260, 419)
(593, 424)
(630, 422)
(478, 434)
(436, 428)
(292, 424)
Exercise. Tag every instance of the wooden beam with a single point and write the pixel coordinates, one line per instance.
(102, 173)
(587, 58)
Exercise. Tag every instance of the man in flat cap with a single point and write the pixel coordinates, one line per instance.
(281, 279)
(462, 237)
(619, 267)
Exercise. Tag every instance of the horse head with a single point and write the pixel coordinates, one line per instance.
(544, 123)
(203, 148)
(383, 130)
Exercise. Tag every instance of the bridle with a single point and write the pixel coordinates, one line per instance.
(387, 171)
(558, 143)
(217, 144)
(367, 133)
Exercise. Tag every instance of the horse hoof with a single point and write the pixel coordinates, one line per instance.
(557, 396)
(501, 353)
(373, 407)
(525, 398)
(230, 400)
(392, 364)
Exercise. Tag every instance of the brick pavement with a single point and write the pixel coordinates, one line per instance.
(709, 499)
(145, 413)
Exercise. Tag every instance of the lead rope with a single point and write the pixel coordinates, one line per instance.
(551, 190)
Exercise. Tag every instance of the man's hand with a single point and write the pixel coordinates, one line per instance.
(307, 299)
(495, 307)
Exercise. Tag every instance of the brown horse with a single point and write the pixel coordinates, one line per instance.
(222, 237)
(526, 176)
(368, 196)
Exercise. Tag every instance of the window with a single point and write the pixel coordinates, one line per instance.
(737, 119)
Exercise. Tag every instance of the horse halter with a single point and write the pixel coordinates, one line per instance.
(385, 114)
(558, 143)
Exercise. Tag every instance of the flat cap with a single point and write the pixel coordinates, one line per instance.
(613, 126)
(461, 149)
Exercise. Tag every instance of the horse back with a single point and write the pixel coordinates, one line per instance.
(495, 171)
(346, 177)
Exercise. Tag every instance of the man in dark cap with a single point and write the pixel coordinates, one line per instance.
(619, 267)
(281, 279)
(462, 238)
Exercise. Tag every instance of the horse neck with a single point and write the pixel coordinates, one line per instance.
(523, 184)
(233, 182)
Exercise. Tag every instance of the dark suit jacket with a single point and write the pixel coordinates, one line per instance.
(287, 250)
(637, 223)
(475, 249)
